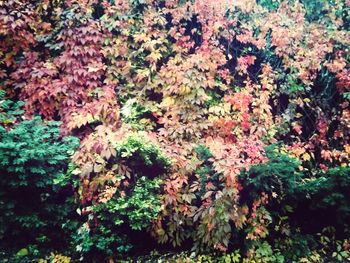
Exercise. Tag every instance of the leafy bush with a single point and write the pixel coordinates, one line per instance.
(143, 156)
(327, 194)
(123, 193)
(294, 246)
(138, 209)
(34, 206)
(279, 177)
(119, 218)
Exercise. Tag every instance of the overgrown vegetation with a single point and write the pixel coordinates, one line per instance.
(174, 131)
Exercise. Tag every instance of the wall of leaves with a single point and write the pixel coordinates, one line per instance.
(212, 126)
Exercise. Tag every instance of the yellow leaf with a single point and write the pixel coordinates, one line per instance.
(184, 89)
(347, 148)
(142, 74)
(140, 37)
(212, 118)
(298, 115)
(168, 101)
(154, 56)
(227, 107)
(306, 157)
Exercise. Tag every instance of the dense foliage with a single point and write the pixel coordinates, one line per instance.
(216, 127)
(37, 200)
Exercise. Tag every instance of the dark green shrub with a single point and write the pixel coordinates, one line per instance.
(279, 177)
(327, 197)
(206, 170)
(118, 220)
(36, 196)
(295, 245)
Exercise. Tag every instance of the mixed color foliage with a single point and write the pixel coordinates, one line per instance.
(219, 127)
